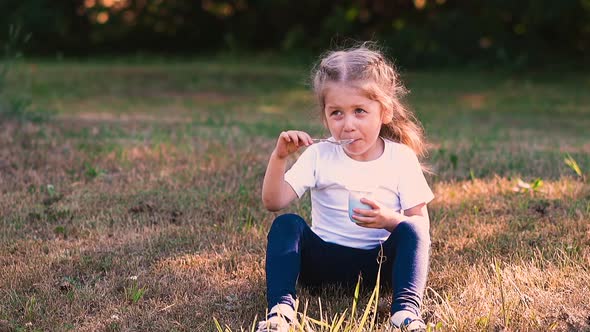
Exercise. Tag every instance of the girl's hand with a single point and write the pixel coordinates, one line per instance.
(290, 141)
(378, 217)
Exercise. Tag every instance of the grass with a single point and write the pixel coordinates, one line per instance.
(136, 206)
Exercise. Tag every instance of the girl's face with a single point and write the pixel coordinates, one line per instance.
(350, 114)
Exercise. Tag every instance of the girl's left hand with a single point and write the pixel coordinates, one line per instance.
(378, 217)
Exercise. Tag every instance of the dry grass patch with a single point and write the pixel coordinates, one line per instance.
(132, 213)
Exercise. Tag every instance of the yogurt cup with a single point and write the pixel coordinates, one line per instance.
(354, 199)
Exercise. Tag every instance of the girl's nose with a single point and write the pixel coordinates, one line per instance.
(348, 123)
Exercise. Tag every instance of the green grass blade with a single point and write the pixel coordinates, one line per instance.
(366, 312)
(376, 290)
(571, 162)
(500, 284)
(355, 299)
(303, 317)
(321, 322)
(253, 328)
(217, 325)
(339, 323)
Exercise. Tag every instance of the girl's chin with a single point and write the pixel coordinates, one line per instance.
(351, 150)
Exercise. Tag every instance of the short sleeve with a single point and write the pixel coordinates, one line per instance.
(301, 176)
(412, 185)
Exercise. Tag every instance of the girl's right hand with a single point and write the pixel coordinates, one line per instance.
(290, 141)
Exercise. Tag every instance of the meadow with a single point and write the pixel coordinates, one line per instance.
(134, 203)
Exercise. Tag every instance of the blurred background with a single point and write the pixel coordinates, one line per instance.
(134, 137)
(417, 32)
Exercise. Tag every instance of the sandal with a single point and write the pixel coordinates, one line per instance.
(411, 325)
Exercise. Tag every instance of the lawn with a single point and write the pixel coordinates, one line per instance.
(135, 205)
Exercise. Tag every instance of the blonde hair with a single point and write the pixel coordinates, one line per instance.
(368, 69)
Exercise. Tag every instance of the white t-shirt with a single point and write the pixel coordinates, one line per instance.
(328, 171)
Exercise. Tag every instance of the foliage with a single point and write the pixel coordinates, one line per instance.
(15, 101)
(418, 32)
(134, 293)
(9, 105)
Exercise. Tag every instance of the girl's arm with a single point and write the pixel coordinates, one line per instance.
(276, 192)
(382, 217)
(418, 213)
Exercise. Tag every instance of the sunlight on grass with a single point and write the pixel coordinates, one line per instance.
(474, 101)
(156, 172)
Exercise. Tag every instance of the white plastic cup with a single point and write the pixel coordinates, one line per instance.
(354, 201)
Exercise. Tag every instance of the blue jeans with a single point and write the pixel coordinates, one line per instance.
(296, 254)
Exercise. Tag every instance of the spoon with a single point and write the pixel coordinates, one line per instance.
(340, 142)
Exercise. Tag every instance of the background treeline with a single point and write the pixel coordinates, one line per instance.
(418, 32)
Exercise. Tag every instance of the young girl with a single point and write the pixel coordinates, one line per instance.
(359, 97)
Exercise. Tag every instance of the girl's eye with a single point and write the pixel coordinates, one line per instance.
(360, 110)
(336, 113)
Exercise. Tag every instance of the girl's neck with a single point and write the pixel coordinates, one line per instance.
(372, 153)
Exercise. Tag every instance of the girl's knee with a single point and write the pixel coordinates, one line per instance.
(414, 230)
(287, 223)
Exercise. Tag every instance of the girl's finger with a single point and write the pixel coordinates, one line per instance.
(365, 213)
(364, 224)
(305, 138)
(361, 219)
(301, 139)
(294, 138)
(285, 136)
(370, 203)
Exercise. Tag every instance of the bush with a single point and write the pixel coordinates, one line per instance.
(15, 103)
